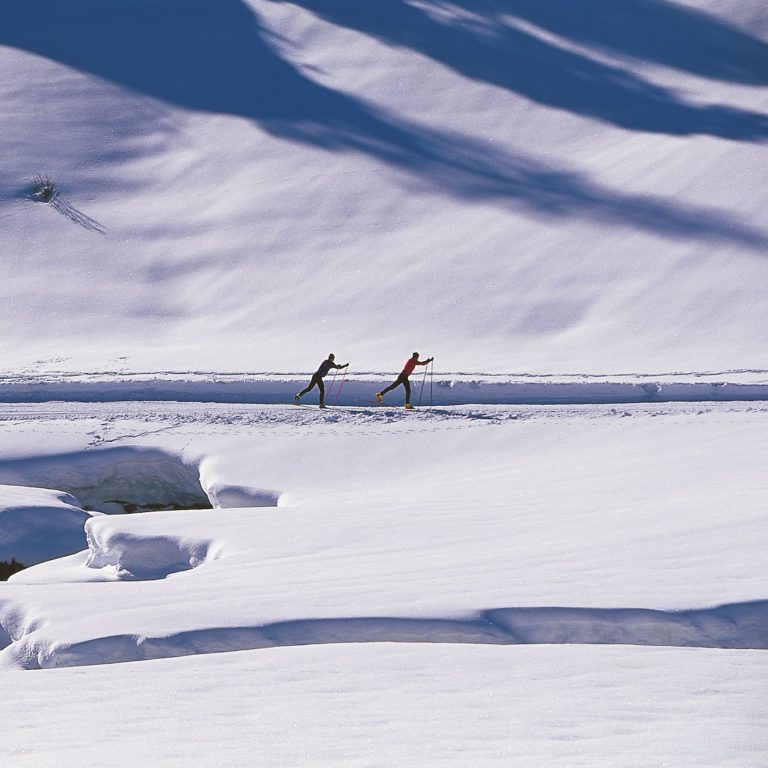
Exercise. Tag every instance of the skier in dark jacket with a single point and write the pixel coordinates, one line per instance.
(408, 369)
(317, 379)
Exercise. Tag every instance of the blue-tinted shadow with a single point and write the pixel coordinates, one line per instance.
(487, 42)
(216, 56)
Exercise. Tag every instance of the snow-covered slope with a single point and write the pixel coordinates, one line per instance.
(509, 185)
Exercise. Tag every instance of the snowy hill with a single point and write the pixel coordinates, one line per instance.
(557, 562)
(509, 185)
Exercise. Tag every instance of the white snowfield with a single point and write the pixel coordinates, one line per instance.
(473, 564)
(561, 561)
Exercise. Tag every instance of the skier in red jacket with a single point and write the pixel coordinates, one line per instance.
(408, 369)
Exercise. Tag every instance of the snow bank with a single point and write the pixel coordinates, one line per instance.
(114, 480)
(225, 496)
(739, 626)
(38, 524)
(144, 547)
(361, 388)
(742, 625)
(132, 553)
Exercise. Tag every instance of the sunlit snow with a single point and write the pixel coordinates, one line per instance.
(555, 559)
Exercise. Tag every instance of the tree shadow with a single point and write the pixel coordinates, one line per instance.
(483, 40)
(649, 30)
(474, 170)
(217, 57)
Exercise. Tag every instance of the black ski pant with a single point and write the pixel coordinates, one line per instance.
(316, 380)
(401, 379)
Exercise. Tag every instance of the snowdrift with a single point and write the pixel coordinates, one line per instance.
(472, 525)
(38, 524)
(155, 547)
(115, 479)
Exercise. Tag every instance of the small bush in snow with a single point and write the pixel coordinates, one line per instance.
(43, 189)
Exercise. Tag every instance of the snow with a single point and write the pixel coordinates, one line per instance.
(37, 524)
(557, 559)
(388, 704)
(429, 388)
(114, 480)
(509, 189)
(586, 507)
(504, 569)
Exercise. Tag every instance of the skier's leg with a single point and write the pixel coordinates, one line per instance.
(303, 392)
(407, 385)
(321, 387)
(394, 384)
(309, 386)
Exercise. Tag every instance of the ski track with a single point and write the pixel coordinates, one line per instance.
(425, 418)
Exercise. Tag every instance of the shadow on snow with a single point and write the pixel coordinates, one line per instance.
(484, 40)
(217, 57)
(739, 625)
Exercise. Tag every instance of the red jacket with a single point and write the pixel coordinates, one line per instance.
(409, 366)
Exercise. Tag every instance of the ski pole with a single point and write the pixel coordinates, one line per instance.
(330, 386)
(431, 380)
(341, 384)
(424, 378)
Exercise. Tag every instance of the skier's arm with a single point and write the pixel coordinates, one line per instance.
(346, 365)
(425, 362)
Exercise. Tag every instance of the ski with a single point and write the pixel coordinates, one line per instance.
(377, 404)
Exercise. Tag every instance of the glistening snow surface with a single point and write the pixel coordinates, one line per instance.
(564, 202)
(427, 562)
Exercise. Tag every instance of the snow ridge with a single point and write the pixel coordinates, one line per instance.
(138, 556)
(739, 625)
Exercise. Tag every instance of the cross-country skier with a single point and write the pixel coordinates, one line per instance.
(317, 379)
(408, 368)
